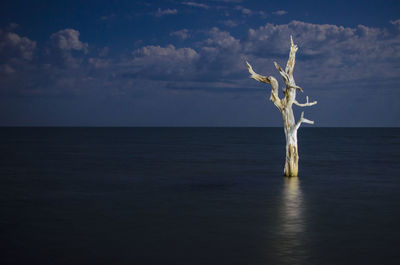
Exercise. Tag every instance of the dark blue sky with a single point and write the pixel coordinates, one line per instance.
(181, 63)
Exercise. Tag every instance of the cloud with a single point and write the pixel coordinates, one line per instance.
(98, 62)
(16, 52)
(67, 40)
(222, 39)
(162, 52)
(214, 60)
(336, 53)
(161, 63)
(14, 46)
(280, 12)
(230, 23)
(183, 34)
(228, 1)
(66, 49)
(396, 23)
(160, 12)
(245, 11)
(329, 55)
(262, 14)
(343, 63)
(195, 4)
(219, 55)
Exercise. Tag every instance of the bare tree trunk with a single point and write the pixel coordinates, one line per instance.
(285, 107)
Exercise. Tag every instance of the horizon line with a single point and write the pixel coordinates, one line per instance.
(157, 126)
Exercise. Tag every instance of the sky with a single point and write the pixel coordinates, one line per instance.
(182, 63)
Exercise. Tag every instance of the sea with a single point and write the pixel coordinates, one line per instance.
(198, 196)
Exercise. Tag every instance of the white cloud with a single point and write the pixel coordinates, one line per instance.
(336, 53)
(280, 12)
(64, 42)
(262, 14)
(216, 59)
(220, 55)
(222, 39)
(228, 1)
(328, 54)
(160, 12)
(162, 63)
(183, 34)
(396, 23)
(98, 62)
(68, 39)
(195, 4)
(12, 45)
(330, 57)
(230, 23)
(245, 11)
(16, 52)
(162, 52)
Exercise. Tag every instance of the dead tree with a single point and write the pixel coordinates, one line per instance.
(285, 107)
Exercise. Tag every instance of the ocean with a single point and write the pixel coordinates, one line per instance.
(198, 196)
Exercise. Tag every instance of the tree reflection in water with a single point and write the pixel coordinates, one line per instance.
(290, 243)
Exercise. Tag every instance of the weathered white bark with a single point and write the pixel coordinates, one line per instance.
(285, 107)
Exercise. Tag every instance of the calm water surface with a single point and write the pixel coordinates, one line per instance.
(198, 196)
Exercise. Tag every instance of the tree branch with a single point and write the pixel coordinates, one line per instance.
(283, 73)
(292, 57)
(268, 80)
(307, 104)
(255, 76)
(287, 78)
(302, 120)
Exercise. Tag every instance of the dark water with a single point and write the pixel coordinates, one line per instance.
(198, 196)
